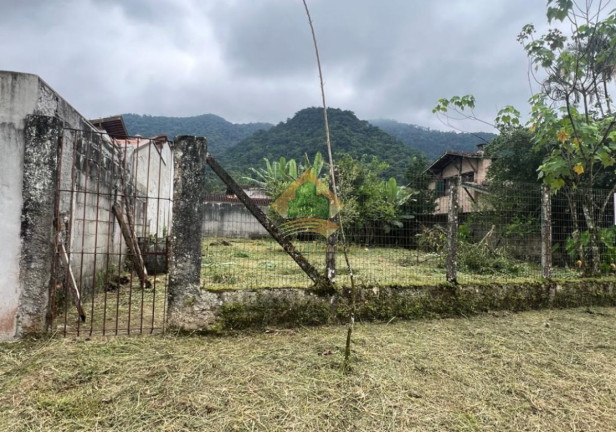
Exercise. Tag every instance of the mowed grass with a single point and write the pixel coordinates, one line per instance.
(262, 263)
(127, 309)
(549, 371)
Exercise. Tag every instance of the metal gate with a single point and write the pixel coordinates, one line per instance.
(113, 218)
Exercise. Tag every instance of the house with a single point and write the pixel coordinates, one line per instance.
(472, 167)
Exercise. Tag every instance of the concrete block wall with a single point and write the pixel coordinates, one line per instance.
(231, 220)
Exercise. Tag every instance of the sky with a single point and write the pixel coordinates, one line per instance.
(253, 60)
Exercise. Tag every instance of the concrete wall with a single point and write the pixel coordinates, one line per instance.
(153, 167)
(52, 155)
(231, 220)
(21, 298)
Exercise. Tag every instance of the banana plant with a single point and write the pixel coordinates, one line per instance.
(276, 176)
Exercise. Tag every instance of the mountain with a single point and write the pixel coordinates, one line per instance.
(305, 134)
(432, 143)
(220, 133)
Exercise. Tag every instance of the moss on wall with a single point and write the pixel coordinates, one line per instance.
(384, 303)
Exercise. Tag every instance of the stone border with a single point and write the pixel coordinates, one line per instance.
(207, 310)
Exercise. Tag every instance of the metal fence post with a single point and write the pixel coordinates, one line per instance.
(546, 232)
(452, 231)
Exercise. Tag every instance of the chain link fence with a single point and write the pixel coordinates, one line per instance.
(471, 235)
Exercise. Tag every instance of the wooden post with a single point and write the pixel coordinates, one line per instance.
(452, 231)
(546, 232)
(272, 229)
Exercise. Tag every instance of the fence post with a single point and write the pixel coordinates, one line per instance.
(332, 242)
(452, 231)
(546, 232)
(189, 163)
(42, 137)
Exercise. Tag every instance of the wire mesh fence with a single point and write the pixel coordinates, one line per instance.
(114, 203)
(496, 236)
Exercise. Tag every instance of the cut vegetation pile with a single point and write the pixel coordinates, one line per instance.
(550, 370)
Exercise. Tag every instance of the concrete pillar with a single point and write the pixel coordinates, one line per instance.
(546, 232)
(185, 293)
(452, 231)
(41, 139)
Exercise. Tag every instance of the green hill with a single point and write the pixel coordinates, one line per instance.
(239, 146)
(220, 133)
(305, 134)
(432, 143)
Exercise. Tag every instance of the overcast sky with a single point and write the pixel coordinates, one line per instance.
(253, 60)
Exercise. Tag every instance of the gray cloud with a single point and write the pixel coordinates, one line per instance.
(254, 61)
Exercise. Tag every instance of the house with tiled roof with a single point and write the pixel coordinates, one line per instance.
(472, 167)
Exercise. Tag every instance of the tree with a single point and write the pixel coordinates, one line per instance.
(418, 179)
(369, 202)
(571, 118)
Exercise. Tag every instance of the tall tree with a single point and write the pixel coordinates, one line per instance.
(572, 116)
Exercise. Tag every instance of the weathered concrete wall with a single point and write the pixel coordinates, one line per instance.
(152, 165)
(231, 220)
(95, 237)
(18, 96)
(104, 170)
(238, 309)
(21, 95)
(46, 143)
(188, 199)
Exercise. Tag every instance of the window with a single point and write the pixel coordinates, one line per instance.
(468, 177)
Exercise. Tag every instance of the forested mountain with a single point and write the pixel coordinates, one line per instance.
(240, 146)
(220, 133)
(432, 143)
(305, 134)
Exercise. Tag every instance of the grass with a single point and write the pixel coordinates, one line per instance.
(126, 310)
(243, 263)
(550, 371)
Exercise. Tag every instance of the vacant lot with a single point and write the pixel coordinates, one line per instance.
(242, 263)
(549, 371)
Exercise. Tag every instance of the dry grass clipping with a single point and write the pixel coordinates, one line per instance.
(548, 371)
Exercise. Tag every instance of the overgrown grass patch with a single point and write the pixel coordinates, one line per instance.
(550, 370)
(262, 263)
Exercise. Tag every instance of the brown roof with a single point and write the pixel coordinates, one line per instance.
(114, 126)
(450, 155)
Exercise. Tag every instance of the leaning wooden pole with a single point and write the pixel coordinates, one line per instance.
(133, 246)
(128, 226)
(269, 226)
(71, 281)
